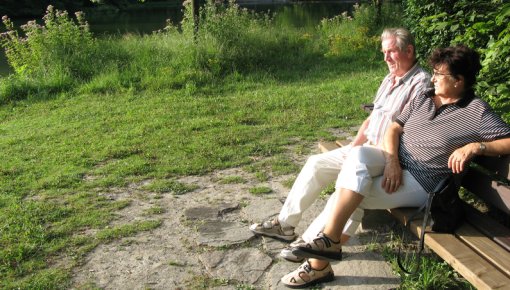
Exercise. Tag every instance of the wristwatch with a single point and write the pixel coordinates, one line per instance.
(482, 147)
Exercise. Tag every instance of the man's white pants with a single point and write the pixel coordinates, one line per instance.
(362, 172)
(319, 171)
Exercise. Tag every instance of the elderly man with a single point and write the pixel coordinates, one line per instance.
(406, 79)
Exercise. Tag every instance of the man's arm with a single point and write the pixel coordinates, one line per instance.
(392, 171)
(360, 136)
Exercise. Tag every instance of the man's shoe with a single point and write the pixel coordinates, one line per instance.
(286, 253)
(273, 228)
(304, 276)
(322, 248)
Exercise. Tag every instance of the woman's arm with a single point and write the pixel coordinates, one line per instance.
(392, 172)
(459, 158)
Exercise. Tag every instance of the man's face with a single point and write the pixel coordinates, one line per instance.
(399, 61)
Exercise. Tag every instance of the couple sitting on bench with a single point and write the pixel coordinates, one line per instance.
(398, 156)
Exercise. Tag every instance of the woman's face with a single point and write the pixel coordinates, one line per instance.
(445, 84)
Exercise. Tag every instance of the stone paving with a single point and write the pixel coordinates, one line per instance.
(258, 263)
(204, 241)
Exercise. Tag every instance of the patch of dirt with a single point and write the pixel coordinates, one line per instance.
(168, 256)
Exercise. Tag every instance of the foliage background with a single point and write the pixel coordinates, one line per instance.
(483, 25)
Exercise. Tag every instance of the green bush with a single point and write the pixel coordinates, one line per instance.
(359, 31)
(482, 25)
(60, 47)
(47, 58)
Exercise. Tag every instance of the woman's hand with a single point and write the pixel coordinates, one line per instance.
(392, 176)
(459, 159)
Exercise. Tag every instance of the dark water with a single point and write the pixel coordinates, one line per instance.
(151, 19)
(147, 20)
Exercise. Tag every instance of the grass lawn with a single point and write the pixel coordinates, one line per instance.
(56, 152)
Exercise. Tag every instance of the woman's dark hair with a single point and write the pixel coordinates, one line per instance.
(460, 60)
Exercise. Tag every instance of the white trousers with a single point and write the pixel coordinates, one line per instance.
(319, 171)
(362, 171)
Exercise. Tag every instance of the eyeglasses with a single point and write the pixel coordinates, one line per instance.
(436, 73)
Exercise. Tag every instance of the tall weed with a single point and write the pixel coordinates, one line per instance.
(51, 56)
(345, 33)
(61, 46)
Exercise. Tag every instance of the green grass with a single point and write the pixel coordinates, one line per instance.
(233, 179)
(429, 272)
(49, 147)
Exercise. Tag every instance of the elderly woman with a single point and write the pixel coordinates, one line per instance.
(435, 135)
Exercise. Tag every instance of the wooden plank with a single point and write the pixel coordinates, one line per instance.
(478, 271)
(325, 146)
(499, 165)
(489, 227)
(489, 190)
(485, 247)
(342, 143)
(403, 213)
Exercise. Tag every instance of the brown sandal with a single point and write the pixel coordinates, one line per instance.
(304, 276)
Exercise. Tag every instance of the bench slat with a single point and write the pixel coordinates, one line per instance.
(325, 146)
(487, 189)
(499, 233)
(471, 266)
(499, 165)
(485, 247)
(474, 268)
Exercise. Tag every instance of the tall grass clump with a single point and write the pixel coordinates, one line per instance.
(227, 43)
(355, 33)
(232, 39)
(59, 52)
(228, 40)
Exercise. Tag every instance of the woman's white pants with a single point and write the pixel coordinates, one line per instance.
(361, 171)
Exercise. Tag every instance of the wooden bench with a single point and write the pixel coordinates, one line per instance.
(479, 249)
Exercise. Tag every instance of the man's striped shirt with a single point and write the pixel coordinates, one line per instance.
(392, 97)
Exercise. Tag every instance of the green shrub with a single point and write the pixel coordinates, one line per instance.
(482, 25)
(345, 33)
(61, 47)
(231, 39)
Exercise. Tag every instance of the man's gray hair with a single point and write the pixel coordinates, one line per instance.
(402, 35)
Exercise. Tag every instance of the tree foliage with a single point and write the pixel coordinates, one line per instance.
(483, 25)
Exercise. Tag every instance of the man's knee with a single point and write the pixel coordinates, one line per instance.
(315, 162)
(367, 155)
